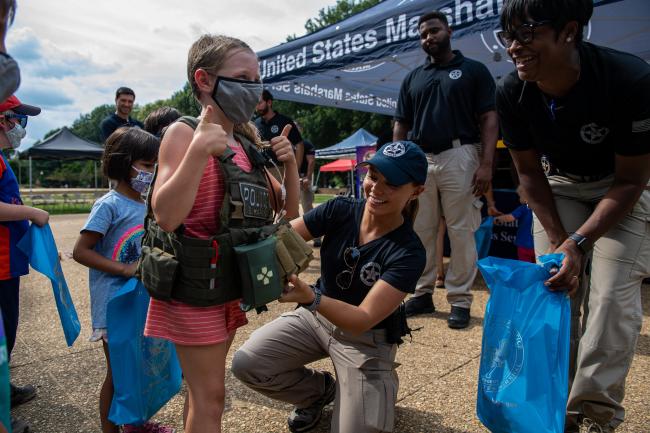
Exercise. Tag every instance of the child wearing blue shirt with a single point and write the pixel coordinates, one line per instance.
(524, 240)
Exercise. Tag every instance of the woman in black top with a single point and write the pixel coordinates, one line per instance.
(576, 118)
(370, 259)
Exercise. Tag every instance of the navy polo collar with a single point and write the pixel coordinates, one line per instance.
(456, 61)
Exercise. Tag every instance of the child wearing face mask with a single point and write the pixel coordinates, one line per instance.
(14, 222)
(204, 164)
(109, 243)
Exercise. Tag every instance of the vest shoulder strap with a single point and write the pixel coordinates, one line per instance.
(190, 121)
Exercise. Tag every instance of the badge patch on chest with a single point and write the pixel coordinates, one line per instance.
(370, 273)
(593, 133)
(455, 74)
(256, 201)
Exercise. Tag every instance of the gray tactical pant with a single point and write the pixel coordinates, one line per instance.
(273, 361)
(604, 341)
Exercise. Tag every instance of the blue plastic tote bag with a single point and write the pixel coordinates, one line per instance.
(38, 244)
(483, 237)
(524, 372)
(5, 401)
(146, 372)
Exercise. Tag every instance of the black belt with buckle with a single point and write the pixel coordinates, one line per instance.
(439, 148)
(551, 170)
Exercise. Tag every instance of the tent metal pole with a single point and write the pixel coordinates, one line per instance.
(30, 174)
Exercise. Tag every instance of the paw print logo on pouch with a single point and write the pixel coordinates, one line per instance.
(265, 275)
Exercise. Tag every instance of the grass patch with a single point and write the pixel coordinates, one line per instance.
(63, 209)
(322, 198)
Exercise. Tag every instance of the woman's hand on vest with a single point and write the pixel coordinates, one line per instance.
(209, 135)
(297, 291)
(282, 146)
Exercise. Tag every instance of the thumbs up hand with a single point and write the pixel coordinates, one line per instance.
(282, 146)
(209, 135)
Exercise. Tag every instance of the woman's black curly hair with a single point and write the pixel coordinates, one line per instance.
(558, 12)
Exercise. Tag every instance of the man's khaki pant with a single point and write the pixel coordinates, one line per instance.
(448, 189)
(273, 361)
(602, 346)
(307, 199)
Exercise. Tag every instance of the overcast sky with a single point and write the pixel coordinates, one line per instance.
(73, 54)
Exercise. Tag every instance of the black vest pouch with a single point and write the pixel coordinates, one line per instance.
(157, 265)
(157, 271)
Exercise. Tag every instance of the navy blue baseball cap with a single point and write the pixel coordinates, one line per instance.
(400, 162)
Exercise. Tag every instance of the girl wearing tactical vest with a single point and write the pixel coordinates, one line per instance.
(370, 259)
(197, 163)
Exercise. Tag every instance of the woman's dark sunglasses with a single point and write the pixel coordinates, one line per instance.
(524, 34)
(22, 118)
(351, 257)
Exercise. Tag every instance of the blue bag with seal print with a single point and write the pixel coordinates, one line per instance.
(146, 371)
(483, 237)
(39, 245)
(524, 374)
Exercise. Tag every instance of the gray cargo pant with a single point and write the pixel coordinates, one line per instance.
(273, 361)
(448, 189)
(604, 341)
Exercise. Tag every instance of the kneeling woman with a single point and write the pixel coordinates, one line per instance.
(370, 259)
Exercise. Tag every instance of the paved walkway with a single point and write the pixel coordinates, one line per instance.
(438, 376)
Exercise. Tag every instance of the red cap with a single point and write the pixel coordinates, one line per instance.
(12, 103)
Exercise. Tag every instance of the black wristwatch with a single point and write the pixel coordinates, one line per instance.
(582, 242)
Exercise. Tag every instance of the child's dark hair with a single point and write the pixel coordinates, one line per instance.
(558, 12)
(159, 119)
(125, 146)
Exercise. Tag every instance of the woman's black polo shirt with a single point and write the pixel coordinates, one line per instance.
(398, 257)
(606, 113)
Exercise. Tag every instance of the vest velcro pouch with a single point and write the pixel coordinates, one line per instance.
(260, 275)
(157, 270)
(293, 253)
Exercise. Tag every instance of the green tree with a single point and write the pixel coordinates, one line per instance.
(87, 125)
(333, 14)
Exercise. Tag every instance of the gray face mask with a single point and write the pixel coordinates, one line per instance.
(237, 98)
(9, 76)
(15, 135)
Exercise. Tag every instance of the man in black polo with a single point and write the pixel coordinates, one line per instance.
(270, 123)
(124, 98)
(446, 106)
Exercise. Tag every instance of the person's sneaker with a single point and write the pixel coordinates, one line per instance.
(590, 426)
(21, 394)
(19, 426)
(148, 427)
(317, 243)
(422, 304)
(458, 318)
(302, 420)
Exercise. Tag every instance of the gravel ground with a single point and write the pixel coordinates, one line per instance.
(438, 375)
